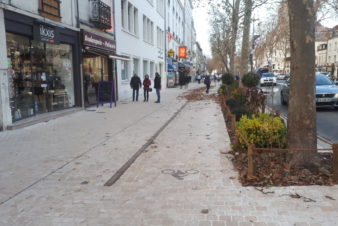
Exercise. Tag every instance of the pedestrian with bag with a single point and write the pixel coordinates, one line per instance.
(135, 84)
(207, 82)
(146, 87)
(157, 86)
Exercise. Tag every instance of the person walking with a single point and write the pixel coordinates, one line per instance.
(135, 84)
(146, 87)
(157, 86)
(207, 82)
(198, 78)
(181, 80)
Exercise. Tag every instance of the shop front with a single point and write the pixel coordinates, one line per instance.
(42, 60)
(98, 64)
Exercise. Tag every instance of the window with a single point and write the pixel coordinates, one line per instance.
(148, 30)
(124, 70)
(136, 66)
(145, 68)
(124, 13)
(50, 9)
(135, 22)
(152, 69)
(160, 38)
(145, 28)
(151, 2)
(160, 7)
(129, 17)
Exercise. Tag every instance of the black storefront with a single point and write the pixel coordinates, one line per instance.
(44, 64)
(98, 54)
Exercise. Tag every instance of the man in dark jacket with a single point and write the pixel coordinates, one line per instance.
(157, 86)
(135, 84)
(207, 82)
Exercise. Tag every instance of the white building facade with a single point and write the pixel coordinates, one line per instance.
(140, 36)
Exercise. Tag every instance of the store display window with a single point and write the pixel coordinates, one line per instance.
(41, 76)
(95, 69)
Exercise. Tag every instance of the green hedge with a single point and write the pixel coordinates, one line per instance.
(262, 130)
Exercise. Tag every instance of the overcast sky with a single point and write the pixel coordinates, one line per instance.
(201, 20)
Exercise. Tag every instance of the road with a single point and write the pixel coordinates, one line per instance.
(327, 119)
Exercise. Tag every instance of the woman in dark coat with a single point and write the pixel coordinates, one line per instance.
(157, 86)
(146, 87)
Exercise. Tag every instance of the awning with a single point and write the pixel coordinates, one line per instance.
(119, 57)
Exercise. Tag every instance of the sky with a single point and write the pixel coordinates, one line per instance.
(201, 20)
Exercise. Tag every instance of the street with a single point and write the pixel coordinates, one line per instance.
(327, 119)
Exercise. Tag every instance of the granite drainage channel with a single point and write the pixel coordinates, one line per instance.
(126, 166)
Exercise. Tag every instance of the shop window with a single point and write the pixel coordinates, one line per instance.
(124, 70)
(95, 69)
(50, 9)
(41, 76)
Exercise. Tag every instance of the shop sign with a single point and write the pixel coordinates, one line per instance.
(171, 52)
(90, 39)
(170, 36)
(182, 52)
(46, 33)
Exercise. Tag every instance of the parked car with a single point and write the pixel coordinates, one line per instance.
(326, 92)
(262, 70)
(281, 76)
(268, 79)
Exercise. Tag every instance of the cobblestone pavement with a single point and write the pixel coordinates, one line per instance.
(181, 179)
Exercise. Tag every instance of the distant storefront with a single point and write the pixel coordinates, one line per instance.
(43, 60)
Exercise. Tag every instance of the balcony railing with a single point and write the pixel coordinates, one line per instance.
(100, 14)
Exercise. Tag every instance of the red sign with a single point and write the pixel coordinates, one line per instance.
(93, 40)
(170, 36)
(182, 52)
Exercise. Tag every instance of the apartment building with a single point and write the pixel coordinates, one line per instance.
(141, 37)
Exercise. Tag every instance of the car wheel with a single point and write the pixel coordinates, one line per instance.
(282, 99)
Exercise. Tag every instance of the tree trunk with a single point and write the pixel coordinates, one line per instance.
(234, 31)
(302, 130)
(246, 48)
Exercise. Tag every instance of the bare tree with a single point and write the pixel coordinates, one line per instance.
(302, 108)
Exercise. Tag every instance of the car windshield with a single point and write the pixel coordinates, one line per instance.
(322, 80)
(268, 75)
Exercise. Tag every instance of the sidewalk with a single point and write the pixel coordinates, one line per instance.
(181, 179)
(32, 153)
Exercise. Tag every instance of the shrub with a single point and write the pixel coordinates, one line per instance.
(250, 80)
(262, 130)
(239, 112)
(228, 79)
(232, 103)
(239, 95)
(222, 90)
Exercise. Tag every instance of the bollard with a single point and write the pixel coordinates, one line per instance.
(250, 162)
(335, 163)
